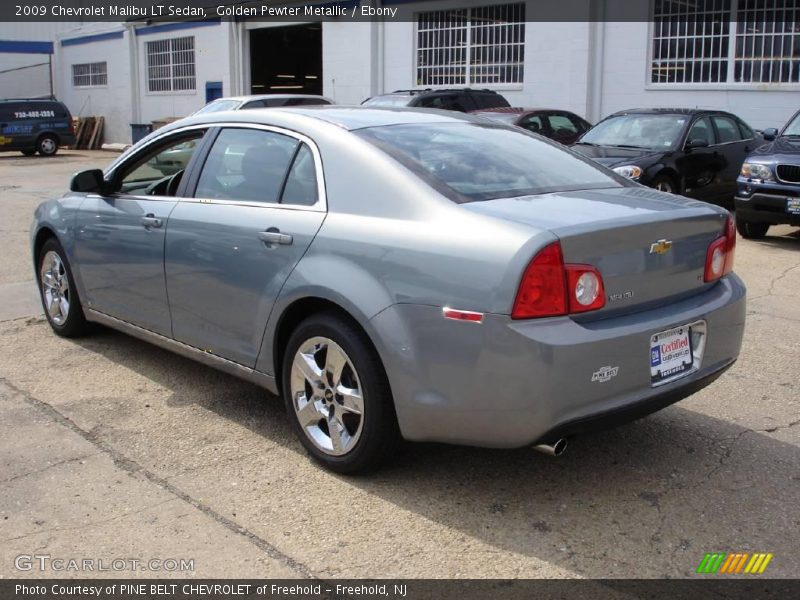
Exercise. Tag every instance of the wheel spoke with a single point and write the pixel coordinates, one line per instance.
(54, 308)
(50, 281)
(335, 360)
(352, 401)
(64, 306)
(309, 414)
(307, 365)
(335, 428)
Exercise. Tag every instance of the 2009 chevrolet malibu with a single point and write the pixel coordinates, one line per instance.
(399, 274)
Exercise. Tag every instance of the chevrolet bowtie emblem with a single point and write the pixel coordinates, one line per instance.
(660, 247)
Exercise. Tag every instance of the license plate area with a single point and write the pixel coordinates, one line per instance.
(793, 206)
(672, 354)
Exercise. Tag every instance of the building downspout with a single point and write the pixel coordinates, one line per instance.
(376, 79)
(594, 79)
(133, 57)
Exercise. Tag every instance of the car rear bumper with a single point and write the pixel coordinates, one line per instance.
(505, 383)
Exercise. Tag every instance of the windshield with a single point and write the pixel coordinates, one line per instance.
(637, 131)
(388, 100)
(218, 106)
(470, 161)
(793, 128)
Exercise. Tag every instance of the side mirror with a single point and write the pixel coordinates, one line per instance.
(88, 182)
(770, 134)
(696, 143)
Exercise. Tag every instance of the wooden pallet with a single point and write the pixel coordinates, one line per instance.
(89, 133)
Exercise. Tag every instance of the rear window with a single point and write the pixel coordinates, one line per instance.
(490, 100)
(468, 161)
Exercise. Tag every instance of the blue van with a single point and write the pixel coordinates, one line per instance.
(32, 126)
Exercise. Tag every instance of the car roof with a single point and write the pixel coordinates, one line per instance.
(263, 96)
(667, 111)
(519, 110)
(415, 92)
(346, 117)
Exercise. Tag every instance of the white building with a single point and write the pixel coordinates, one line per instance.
(728, 55)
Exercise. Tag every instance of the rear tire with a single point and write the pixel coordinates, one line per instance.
(750, 230)
(29, 151)
(337, 395)
(47, 145)
(58, 293)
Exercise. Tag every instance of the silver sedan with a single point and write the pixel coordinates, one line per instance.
(400, 274)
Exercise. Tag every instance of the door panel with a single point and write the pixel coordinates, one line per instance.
(223, 278)
(700, 168)
(120, 249)
(258, 207)
(120, 236)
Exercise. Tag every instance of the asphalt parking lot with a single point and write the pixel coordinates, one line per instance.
(111, 448)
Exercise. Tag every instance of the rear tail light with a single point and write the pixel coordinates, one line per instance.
(719, 257)
(550, 288)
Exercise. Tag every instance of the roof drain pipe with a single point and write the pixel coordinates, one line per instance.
(557, 448)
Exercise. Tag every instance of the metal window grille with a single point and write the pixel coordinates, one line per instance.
(726, 41)
(767, 41)
(484, 45)
(89, 74)
(170, 65)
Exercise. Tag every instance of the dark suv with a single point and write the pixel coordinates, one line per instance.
(769, 184)
(32, 126)
(459, 99)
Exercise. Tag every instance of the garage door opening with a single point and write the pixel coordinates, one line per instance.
(286, 60)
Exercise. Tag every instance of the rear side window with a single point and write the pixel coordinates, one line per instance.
(301, 184)
(444, 102)
(727, 130)
(468, 161)
(562, 125)
(246, 164)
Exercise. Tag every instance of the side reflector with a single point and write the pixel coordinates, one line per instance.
(462, 315)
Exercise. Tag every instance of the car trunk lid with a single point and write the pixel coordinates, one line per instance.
(648, 246)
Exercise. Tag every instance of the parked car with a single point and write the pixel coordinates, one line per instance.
(457, 99)
(32, 126)
(400, 273)
(263, 101)
(769, 183)
(694, 152)
(559, 125)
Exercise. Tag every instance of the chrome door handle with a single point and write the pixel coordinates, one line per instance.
(274, 236)
(150, 220)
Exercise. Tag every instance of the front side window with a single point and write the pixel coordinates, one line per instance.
(637, 131)
(701, 130)
(793, 127)
(482, 45)
(171, 65)
(725, 41)
(158, 171)
(248, 165)
(468, 161)
(90, 74)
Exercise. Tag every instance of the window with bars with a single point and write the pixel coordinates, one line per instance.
(170, 65)
(726, 41)
(90, 74)
(470, 46)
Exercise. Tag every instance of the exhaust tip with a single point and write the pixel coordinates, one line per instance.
(557, 448)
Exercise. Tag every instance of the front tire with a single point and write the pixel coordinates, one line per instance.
(750, 230)
(47, 145)
(662, 183)
(337, 395)
(58, 293)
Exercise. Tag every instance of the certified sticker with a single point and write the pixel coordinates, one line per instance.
(793, 206)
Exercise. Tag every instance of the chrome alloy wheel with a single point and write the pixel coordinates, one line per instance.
(55, 287)
(327, 396)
